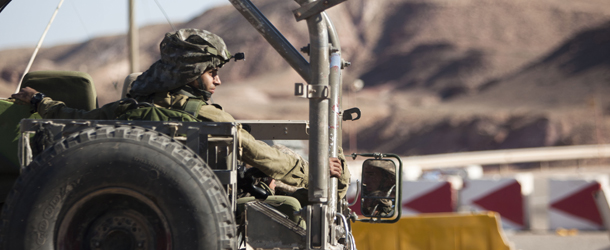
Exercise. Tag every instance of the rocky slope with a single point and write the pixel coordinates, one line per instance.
(440, 76)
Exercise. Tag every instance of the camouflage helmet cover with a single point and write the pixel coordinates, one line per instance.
(387, 166)
(185, 55)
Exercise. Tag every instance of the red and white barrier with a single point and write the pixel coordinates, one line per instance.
(505, 196)
(572, 204)
(428, 196)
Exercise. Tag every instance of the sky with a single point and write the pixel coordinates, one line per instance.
(22, 22)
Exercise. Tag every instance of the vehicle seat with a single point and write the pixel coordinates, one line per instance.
(127, 83)
(74, 88)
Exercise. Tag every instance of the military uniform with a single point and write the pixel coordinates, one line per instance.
(280, 166)
(185, 55)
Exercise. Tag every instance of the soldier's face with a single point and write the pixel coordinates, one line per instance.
(210, 80)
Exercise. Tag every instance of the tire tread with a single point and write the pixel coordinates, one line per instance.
(199, 171)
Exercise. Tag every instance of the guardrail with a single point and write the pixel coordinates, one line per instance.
(508, 156)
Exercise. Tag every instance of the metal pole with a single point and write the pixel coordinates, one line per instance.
(334, 117)
(318, 117)
(336, 89)
(318, 111)
(274, 37)
(134, 65)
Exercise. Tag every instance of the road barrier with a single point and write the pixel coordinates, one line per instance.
(572, 203)
(434, 232)
(428, 196)
(502, 195)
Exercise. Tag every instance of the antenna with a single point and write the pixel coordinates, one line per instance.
(165, 14)
(27, 69)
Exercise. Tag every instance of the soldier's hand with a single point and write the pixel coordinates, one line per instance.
(335, 167)
(25, 95)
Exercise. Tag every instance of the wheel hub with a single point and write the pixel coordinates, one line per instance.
(127, 230)
(114, 219)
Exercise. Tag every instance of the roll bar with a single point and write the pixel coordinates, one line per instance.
(323, 74)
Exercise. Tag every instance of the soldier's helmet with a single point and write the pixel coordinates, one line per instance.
(387, 166)
(185, 55)
(378, 175)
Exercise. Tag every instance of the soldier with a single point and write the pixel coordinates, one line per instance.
(188, 73)
(379, 188)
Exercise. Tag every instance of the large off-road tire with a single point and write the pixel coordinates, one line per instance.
(117, 188)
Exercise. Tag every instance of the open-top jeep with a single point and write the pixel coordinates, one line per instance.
(116, 184)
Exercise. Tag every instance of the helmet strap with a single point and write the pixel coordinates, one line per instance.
(201, 91)
(200, 84)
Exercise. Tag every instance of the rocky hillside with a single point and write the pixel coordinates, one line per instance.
(440, 76)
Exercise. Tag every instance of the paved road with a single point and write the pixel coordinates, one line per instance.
(552, 241)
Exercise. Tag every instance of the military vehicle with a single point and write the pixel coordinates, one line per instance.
(114, 184)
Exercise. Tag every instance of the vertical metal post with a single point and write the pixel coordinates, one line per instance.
(318, 117)
(334, 118)
(336, 88)
(318, 111)
(134, 64)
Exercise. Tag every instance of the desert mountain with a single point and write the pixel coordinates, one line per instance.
(440, 76)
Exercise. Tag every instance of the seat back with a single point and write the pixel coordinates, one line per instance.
(74, 88)
(128, 82)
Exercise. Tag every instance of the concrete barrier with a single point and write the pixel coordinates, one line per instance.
(505, 196)
(572, 204)
(434, 232)
(428, 196)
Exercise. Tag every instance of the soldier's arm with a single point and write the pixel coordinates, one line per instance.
(51, 109)
(271, 161)
(274, 163)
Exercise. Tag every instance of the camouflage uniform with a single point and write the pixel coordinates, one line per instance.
(185, 55)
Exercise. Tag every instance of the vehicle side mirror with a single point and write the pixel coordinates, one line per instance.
(378, 188)
(380, 191)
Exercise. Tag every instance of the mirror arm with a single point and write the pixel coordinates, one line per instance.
(375, 155)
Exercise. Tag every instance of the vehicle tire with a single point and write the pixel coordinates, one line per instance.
(117, 188)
